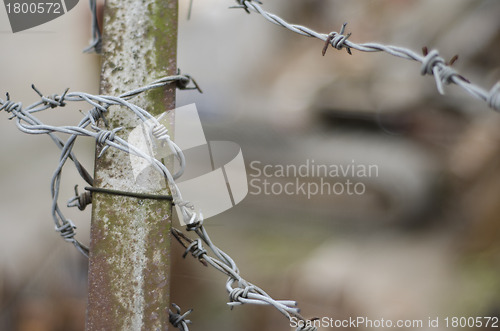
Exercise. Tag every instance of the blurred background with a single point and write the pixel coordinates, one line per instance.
(422, 241)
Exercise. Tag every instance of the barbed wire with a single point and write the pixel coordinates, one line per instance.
(431, 62)
(240, 291)
(178, 319)
(244, 291)
(28, 123)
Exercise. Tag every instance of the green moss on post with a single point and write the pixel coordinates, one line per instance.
(130, 242)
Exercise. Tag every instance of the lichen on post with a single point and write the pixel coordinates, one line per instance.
(130, 237)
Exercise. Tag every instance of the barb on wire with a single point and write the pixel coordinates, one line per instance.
(80, 200)
(28, 123)
(243, 4)
(432, 63)
(337, 40)
(240, 291)
(178, 319)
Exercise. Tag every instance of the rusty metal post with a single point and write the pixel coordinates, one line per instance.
(130, 241)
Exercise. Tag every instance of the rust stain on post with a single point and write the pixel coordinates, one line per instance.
(130, 242)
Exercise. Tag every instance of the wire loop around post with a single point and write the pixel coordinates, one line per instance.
(178, 319)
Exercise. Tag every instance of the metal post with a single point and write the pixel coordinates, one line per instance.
(130, 241)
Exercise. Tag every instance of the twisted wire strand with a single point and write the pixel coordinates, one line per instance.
(96, 42)
(80, 200)
(178, 319)
(240, 291)
(432, 63)
(28, 123)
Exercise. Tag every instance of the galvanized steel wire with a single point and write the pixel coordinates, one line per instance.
(27, 122)
(178, 319)
(431, 62)
(240, 291)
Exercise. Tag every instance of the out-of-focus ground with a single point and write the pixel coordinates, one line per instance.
(422, 241)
